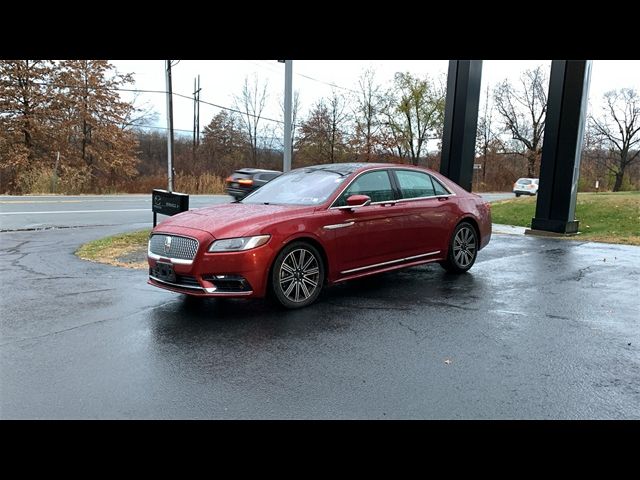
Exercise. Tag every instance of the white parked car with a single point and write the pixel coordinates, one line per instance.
(526, 186)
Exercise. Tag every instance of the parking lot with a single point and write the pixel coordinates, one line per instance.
(539, 328)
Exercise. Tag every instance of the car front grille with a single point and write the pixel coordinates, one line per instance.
(186, 281)
(182, 248)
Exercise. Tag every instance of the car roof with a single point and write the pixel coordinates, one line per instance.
(256, 170)
(347, 168)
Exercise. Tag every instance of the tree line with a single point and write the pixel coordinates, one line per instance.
(64, 128)
(64, 121)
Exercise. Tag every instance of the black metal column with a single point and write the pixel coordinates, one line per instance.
(562, 147)
(461, 121)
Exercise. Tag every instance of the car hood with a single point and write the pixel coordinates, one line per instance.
(234, 219)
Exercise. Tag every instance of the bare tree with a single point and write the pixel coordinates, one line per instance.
(338, 118)
(523, 110)
(251, 103)
(486, 138)
(414, 114)
(369, 105)
(141, 114)
(619, 131)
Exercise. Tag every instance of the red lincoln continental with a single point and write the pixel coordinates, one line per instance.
(316, 226)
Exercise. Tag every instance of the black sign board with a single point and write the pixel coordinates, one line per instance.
(168, 203)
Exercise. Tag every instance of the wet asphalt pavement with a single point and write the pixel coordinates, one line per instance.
(540, 328)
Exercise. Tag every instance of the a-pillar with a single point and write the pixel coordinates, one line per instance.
(461, 121)
(562, 147)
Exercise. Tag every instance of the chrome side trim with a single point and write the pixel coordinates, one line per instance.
(405, 200)
(391, 262)
(174, 284)
(179, 261)
(338, 225)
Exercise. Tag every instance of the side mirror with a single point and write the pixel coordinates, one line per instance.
(356, 201)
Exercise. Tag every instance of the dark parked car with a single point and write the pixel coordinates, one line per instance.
(318, 226)
(242, 182)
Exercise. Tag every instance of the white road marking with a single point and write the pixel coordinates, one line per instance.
(77, 211)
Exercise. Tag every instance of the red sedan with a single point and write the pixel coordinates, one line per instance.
(316, 226)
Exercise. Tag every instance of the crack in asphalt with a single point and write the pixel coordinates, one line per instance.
(581, 273)
(15, 249)
(412, 330)
(366, 307)
(86, 291)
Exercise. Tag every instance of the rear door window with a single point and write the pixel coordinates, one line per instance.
(415, 184)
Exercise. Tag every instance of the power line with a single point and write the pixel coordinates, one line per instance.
(230, 109)
(164, 92)
(331, 84)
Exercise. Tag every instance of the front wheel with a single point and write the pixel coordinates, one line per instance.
(463, 249)
(297, 276)
(517, 194)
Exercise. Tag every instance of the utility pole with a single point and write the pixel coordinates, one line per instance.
(196, 116)
(288, 77)
(170, 128)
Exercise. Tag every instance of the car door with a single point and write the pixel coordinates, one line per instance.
(368, 235)
(426, 212)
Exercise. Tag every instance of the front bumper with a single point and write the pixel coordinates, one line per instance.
(228, 274)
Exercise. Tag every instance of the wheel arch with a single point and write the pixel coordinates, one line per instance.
(306, 239)
(474, 224)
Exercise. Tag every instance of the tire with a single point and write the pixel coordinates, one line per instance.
(294, 285)
(463, 249)
(517, 194)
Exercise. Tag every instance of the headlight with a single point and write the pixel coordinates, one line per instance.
(238, 244)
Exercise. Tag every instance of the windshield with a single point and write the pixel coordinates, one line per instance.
(524, 181)
(298, 187)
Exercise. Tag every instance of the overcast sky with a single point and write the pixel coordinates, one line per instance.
(221, 79)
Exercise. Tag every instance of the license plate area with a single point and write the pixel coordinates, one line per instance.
(164, 271)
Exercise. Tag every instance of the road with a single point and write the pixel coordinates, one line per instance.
(540, 328)
(38, 212)
(57, 211)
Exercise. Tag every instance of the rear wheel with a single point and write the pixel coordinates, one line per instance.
(517, 194)
(297, 276)
(463, 249)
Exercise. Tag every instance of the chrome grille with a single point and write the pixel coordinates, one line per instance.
(181, 247)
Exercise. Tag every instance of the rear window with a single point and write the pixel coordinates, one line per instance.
(239, 175)
(524, 181)
(439, 188)
(269, 176)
